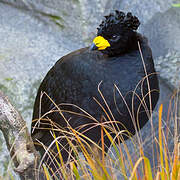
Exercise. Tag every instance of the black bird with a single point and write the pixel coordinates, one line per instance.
(113, 64)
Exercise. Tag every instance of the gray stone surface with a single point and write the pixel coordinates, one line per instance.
(163, 32)
(143, 9)
(35, 34)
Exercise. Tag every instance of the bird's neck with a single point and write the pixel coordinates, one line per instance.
(132, 43)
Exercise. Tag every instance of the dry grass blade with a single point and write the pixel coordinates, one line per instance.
(96, 167)
(176, 163)
(48, 177)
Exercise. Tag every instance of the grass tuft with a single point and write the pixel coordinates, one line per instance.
(97, 164)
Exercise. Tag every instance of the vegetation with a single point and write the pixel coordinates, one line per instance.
(121, 162)
(176, 4)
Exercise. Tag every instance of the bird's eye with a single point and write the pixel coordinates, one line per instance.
(114, 36)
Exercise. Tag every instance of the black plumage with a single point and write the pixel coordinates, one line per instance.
(74, 79)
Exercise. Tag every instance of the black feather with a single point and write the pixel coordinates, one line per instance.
(74, 79)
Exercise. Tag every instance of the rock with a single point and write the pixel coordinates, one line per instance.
(169, 68)
(28, 49)
(144, 9)
(163, 34)
(162, 31)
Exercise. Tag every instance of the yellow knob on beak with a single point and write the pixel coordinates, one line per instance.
(99, 43)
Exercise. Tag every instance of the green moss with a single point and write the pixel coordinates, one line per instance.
(54, 17)
(58, 20)
(8, 79)
(60, 25)
(176, 5)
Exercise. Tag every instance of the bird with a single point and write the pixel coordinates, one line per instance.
(113, 81)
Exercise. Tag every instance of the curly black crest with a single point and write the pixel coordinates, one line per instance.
(118, 19)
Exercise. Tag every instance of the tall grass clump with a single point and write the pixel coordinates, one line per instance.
(125, 159)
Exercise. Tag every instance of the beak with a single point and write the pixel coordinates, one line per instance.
(93, 47)
(99, 43)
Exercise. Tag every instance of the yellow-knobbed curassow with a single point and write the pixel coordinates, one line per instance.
(113, 66)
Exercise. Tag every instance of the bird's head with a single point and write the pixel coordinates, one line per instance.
(116, 34)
